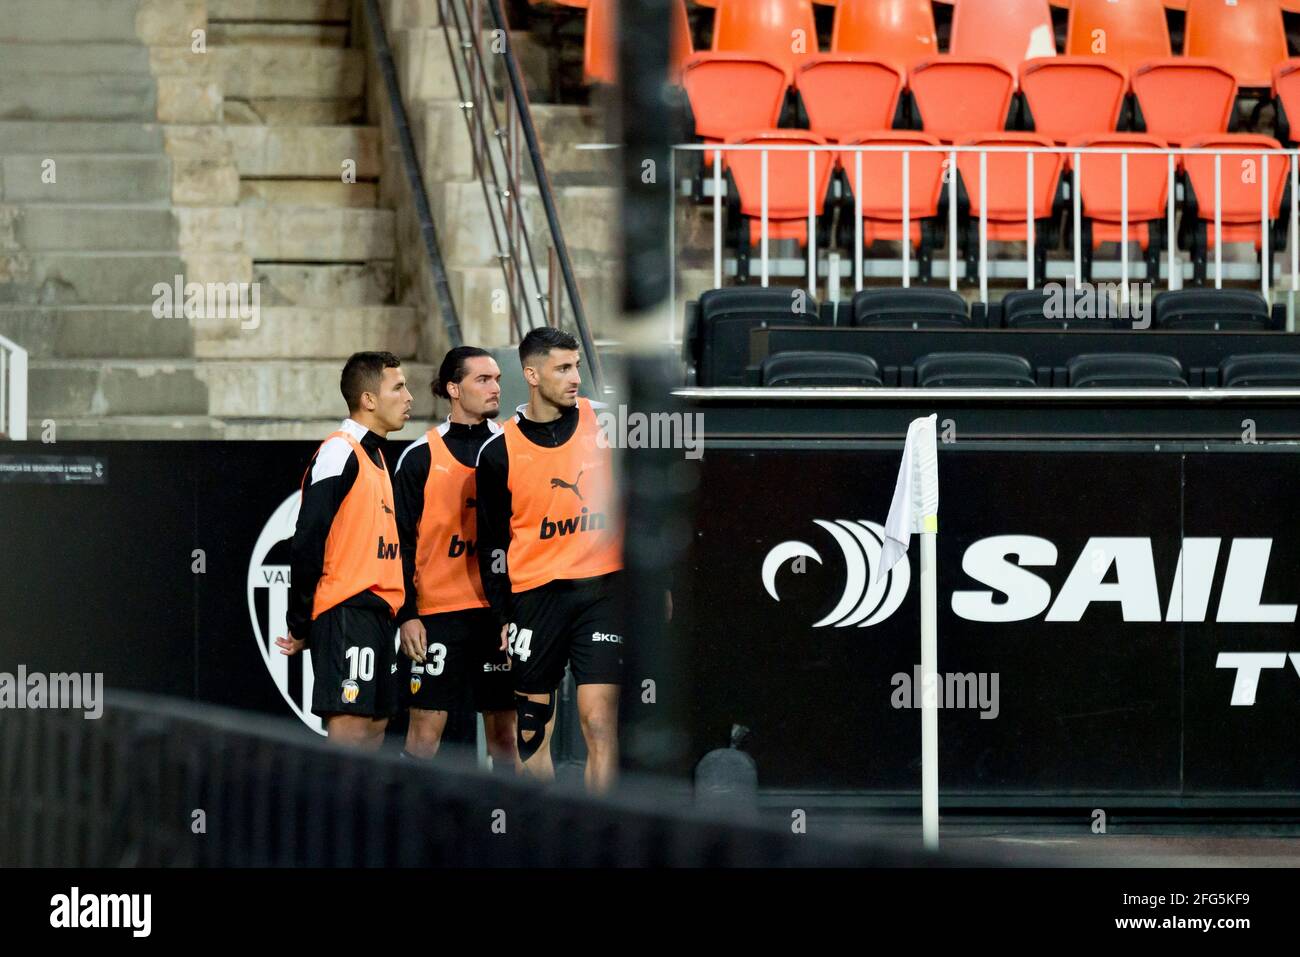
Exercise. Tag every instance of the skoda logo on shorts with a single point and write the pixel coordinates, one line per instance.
(268, 602)
(864, 601)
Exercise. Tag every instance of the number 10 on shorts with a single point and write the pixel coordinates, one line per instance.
(361, 663)
(519, 642)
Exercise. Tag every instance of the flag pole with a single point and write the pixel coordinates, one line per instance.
(915, 510)
(929, 679)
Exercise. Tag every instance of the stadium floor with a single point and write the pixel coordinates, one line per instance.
(1136, 842)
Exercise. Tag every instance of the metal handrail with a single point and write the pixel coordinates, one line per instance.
(410, 163)
(13, 390)
(497, 164)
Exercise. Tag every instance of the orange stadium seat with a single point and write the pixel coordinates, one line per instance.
(881, 189)
(782, 31)
(957, 96)
(1125, 32)
(1184, 97)
(1072, 96)
(711, 81)
(1005, 188)
(1239, 184)
(1101, 202)
(1011, 31)
(1286, 91)
(1247, 37)
(845, 92)
(896, 31)
(787, 184)
(600, 43)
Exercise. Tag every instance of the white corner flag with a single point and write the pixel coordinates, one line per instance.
(915, 508)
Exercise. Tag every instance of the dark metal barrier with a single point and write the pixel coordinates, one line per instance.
(131, 789)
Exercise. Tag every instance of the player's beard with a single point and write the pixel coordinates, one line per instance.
(560, 398)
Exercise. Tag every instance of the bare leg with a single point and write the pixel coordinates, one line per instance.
(499, 728)
(598, 715)
(425, 732)
(356, 731)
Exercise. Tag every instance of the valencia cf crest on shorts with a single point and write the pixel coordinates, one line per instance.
(351, 691)
(415, 684)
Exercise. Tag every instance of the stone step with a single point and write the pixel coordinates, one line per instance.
(291, 332)
(132, 428)
(305, 152)
(335, 284)
(83, 96)
(560, 129)
(442, 138)
(294, 389)
(249, 71)
(281, 34)
(288, 233)
(587, 215)
(122, 228)
(96, 332)
(85, 178)
(292, 11)
(48, 137)
(401, 14)
(588, 218)
(73, 58)
(477, 294)
(293, 111)
(78, 388)
(151, 22)
(310, 234)
(423, 67)
(307, 192)
(62, 278)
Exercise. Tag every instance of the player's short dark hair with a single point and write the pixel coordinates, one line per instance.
(362, 373)
(540, 342)
(453, 368)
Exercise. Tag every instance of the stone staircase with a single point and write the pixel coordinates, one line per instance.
(585, 194)
(218, 141)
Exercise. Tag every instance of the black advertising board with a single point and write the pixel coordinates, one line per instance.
(1082, 655)
(1100, 607)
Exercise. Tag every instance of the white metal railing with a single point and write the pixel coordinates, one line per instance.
(13, 390)
(833, 269)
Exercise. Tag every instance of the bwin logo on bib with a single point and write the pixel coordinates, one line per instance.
(865, 600)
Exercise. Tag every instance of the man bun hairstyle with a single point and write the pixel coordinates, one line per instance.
(362, 373)
(540, 342)
(453, 368)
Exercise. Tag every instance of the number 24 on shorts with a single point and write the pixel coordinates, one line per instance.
(520, 642)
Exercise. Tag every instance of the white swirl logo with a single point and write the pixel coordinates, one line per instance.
(865, 601)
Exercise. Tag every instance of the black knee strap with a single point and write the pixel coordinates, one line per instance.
(532, 716)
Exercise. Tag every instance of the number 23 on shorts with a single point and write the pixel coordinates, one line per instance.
(520, 642)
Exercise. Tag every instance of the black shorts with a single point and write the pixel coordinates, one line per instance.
(464, 667)
(567, 621)
(354, 663)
